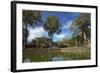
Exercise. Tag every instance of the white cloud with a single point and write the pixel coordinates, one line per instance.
(67, 24)
(35, 32)
(60, 36)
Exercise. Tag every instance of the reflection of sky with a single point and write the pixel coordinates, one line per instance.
(66, 19)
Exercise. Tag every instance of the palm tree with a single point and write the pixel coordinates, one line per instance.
(52, 25)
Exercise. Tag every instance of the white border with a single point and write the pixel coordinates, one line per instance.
(36, 65)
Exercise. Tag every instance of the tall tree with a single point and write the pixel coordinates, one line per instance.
(30, 18)
(25, 34)
(52, 25)
(82, 22)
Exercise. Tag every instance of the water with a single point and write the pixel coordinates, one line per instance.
(57, 58)
(27, 60)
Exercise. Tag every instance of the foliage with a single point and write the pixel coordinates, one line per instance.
(52, 25)
(30, 18)
(82, 23)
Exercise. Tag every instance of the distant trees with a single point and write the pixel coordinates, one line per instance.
(42, 42)
(52, 25)
(67, 42)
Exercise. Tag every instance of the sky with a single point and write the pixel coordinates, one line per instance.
(65, 18)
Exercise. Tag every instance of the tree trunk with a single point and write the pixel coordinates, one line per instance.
(76, 42)
(51, 41)
(36, 43)
(84, 37)
(25, 35)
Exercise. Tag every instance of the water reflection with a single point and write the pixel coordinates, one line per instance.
(27, 60)
(57, 58)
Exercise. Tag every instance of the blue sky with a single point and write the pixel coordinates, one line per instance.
(66, 19)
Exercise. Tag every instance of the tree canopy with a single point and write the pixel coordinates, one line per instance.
(30, 18)
(52, 25)
(82, 23)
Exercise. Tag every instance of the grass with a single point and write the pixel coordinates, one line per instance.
(72, 55)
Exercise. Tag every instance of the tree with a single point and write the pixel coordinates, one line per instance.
(82, 23)
(52, 25)
(25, 34)
(30, 18)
